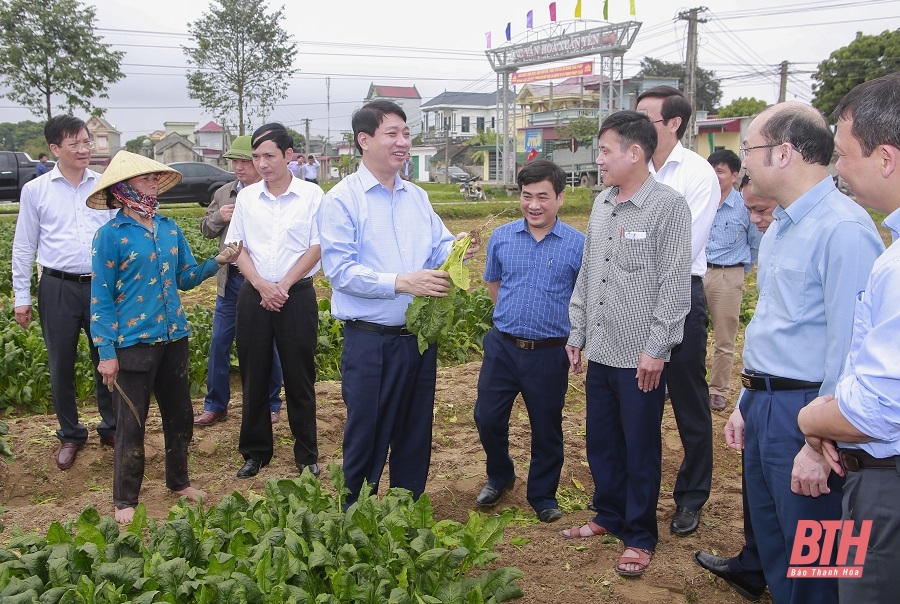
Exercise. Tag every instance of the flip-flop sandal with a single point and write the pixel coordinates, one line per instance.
(591, 529)
(642, 561)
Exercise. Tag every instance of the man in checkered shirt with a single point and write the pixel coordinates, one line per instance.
(627, 312)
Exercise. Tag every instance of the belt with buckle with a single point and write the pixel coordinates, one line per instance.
(233, 269)
(711, 265)
(767, 382)
(385, 330)
(86, 278)
(854, 460)
(534, 344)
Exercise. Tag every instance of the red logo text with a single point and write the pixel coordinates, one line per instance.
(811, 556)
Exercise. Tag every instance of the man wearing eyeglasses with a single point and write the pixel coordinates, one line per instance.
(693, 177)
(55, 223)
(812, 264)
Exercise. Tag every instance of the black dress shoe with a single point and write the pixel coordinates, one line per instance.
(313, 468)
(489, 496)
(719, 567)
(685, 521)
(250, 468)
(549, 515)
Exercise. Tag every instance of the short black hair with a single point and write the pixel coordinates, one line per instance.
(873, 107)
(42, 155)
(725, 156)
(369, 117)
(541, 170)
(674, 105)
(805, 128)
(633, 128)
(60, 127)
(745, 180)
(275, 132)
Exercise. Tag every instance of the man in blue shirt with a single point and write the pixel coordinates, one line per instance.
(381, 245)
(812, 264)
(41, 168)
(730, 254)
(863, 416)
(530, 273)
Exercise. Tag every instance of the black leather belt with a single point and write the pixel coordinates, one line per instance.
(86, 278)
(763, 382)
(711, 265)
(854, 460)
(696, 279)
(534, 344)
(385, 330)
(234, 270)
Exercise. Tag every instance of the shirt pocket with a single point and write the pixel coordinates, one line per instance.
(297, 237)
(633, 254)
(730, 233)
(788, 293)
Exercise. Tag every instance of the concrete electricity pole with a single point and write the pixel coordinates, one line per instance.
(690, 71)
(782, 94)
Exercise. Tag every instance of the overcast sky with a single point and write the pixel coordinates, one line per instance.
(439, 47)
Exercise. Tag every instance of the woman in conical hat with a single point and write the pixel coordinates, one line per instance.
(140, 261)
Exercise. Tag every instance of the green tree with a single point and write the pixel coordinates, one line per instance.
(583, 128)
(134, 145)
(25, 136)
(50, 53)
(742, 107)
(709, 93)
(865, 58)
(482, 137)
(299, 141)
(243, 59)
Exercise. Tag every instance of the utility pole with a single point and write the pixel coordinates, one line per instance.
(782, 91)
(690, 72)
(306, 122)
(328, 140)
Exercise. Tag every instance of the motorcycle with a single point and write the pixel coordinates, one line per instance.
(472, 190)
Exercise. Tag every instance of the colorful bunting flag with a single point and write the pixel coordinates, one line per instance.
(553, 11)
(578, 10)
(606, 10)
(509, 30)
(631, 8)
(529, 23)
(487, 36)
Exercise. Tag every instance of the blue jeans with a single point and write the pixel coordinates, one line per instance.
(218, 373)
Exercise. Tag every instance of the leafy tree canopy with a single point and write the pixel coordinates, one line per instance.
(135, 144)
(243, 59)
(742, 107)
(709, 93)
(50, 54)
(583, 128)
(865, 58)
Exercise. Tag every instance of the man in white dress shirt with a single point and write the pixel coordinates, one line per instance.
(277, 302)
(55, 223)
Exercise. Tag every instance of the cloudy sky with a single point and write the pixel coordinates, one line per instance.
(440, 46)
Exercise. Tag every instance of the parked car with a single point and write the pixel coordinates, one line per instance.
(16, 169)
(456, 175)
(199, 183)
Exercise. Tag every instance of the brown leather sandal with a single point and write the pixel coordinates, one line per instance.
(591, 529)
(642, 561)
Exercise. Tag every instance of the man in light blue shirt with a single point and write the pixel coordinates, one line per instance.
(812, 264)
(381, 245)
(730, 253)
(863, 416)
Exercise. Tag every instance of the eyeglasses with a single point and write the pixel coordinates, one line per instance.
(76, 147)
(746, 150)
(657, 121)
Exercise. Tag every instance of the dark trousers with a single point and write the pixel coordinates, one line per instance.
(689, 393)
(747, 563)
(624, 451)
(771, 441)
(64, 309)
(872, 494)
(144, 370)
(542, 376)
(388, 388)
(294, 330)
(218, 372)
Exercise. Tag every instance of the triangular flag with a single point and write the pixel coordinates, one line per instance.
(529, 23)
(553, 11)
(632, 9)
(606, 10)
(578, 10)
(487, 36)
(509, 30)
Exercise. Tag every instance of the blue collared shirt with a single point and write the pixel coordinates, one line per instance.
(369, 236)
(813, 261)
(536, 278)
(134, 299)
(868, 393)
(732, 238)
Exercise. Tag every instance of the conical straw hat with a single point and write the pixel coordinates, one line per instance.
(126, 165)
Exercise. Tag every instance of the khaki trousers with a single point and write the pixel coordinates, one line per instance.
(724, 289)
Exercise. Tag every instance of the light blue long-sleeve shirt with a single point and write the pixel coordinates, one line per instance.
(813, 261)
(868, 393)
(732, 238)
(369, 236)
